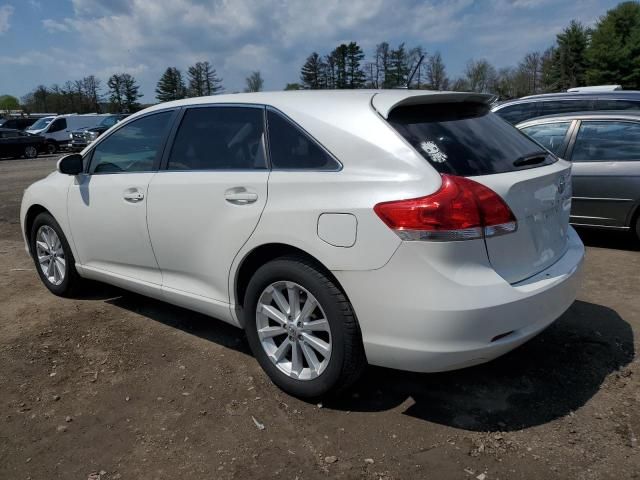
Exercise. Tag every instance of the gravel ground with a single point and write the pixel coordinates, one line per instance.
(115, 385)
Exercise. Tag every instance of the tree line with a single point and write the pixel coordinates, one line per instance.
(608, 53)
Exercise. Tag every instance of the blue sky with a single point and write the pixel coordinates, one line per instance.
(51, 41)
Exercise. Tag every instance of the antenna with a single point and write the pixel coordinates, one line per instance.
(415, 69)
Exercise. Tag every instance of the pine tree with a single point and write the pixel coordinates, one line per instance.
(171, 86)
(614, 51)
(130, 89)
(570, 59)
(398, 69)
(354, 56)
(203, 80)
(116, 97)
(312, 73)
(436, 73)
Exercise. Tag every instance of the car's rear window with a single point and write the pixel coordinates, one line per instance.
(467, 139)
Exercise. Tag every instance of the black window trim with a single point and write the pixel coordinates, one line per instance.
(164, 161)
(310, 137)
(123, 123)
(576, 130)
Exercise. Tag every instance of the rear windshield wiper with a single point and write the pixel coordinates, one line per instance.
(532, 159)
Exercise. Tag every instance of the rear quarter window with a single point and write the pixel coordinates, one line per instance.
(466, 139)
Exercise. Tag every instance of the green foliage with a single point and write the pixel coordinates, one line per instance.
(8, 102)
(569, 65)
(614, 52)
(293, 86)
(123, 93)
(203, 80)
(171, 86)
(312, 74)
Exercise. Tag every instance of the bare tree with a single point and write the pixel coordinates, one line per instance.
(254, 82)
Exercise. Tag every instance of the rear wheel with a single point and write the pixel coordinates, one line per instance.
(52, 148)
(52, 256)
(301, 328)
(30, 151)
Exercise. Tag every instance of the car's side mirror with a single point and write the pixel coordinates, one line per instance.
(71, 164)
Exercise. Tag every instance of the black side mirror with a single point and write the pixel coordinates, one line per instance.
(71, 164)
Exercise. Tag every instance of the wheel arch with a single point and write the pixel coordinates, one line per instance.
(33, 211)
(262, 254)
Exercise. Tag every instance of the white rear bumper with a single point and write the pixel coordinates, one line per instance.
(440, 306)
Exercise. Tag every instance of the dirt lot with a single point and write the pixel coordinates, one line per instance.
(115, 385)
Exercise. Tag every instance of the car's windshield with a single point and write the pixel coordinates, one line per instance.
(42, 123)
(109, 121)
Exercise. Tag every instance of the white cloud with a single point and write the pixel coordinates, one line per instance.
(5, 14)
(53, 26)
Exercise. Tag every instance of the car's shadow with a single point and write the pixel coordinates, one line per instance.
(555, 373)
(609, 239)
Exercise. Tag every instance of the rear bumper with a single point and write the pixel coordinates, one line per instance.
(438, 306)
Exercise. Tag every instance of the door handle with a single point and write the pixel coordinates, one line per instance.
(240, 196)
(134, 196)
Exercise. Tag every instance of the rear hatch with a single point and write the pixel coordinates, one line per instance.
(463, 138)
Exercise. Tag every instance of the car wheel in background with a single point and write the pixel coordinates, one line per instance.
(52, 256)
(30, 151)
(51, 148)
(302, 329)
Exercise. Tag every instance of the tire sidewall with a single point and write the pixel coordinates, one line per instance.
(65, 286)
(288, 270)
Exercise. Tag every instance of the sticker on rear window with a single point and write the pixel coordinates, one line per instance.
(435, 154)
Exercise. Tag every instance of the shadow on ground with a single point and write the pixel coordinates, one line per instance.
(609, 239)
(552, 375)
(548, 377)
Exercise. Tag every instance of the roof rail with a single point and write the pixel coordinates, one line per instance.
(595, 88)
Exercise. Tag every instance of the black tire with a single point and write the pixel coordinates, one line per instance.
(52, 147)
(347, 360)
(71, 280)
(30, 151)
(637, 227)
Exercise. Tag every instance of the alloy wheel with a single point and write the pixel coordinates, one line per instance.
(50, 255)
(31, 152)
(293, 330)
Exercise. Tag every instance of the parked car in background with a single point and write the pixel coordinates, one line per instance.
(390, 233)
(84, 136)
(57, 130)
(17, 123)
(604, 148)
(516, 111)
(16, 144)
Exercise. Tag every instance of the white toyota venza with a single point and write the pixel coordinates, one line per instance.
(408, 229)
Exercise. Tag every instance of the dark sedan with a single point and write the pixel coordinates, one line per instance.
(16, 144)
(604, 148)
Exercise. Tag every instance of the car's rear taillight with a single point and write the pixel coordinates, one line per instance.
(460, 210)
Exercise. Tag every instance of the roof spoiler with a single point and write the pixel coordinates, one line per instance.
(385, 102)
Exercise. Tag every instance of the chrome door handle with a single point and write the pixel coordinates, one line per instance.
(133, 197)
(240, 197)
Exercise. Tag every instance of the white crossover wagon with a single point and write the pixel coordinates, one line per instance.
(409, 229)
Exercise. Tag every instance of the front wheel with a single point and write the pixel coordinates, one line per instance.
(52, 256)
(30, 151)
(302, 329)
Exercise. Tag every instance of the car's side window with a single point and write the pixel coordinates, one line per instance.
(611, 104)
(607, 141)
(518, 112)
(219, 138)
(291, 149)
(565, 106)
(549, 135)
(133, 147)
(59, 124)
